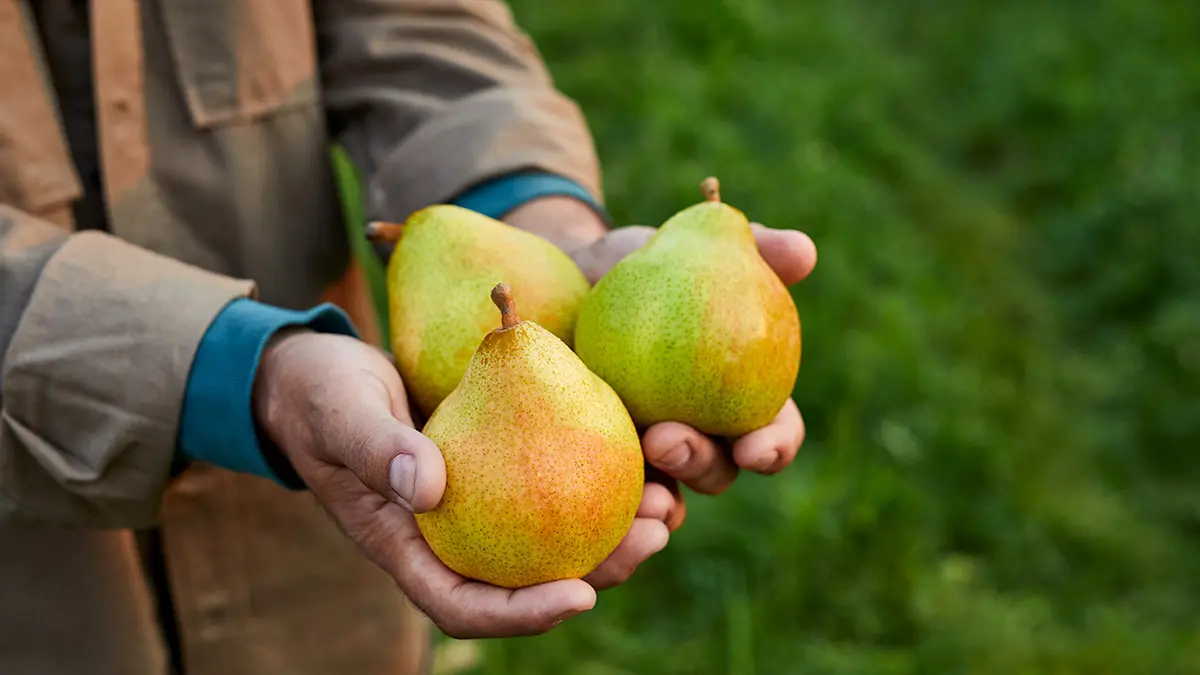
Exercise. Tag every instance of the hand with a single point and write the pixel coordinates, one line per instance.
(337, 409)
(675, 452)
(679, 452)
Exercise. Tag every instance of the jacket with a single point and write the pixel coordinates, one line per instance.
(214, 119)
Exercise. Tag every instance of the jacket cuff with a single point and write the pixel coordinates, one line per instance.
(501, 195)
(217, 423)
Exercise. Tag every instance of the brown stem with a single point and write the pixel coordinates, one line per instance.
(502, 295)
(711, 188)
(379, 231)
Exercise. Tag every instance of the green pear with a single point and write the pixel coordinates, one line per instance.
(544, 469)
(445, 260)
(694, 326)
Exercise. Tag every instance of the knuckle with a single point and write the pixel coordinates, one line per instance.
(622, 569)
(699, 469)
(654, 453)
(714, 483)
(439, 617)
(614, 572)
(363, 459)
(362, 445)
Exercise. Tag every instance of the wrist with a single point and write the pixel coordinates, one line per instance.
(270, 405)
(566, 222)
(228, 418)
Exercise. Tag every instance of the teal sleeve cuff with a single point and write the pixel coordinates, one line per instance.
(498, 196)
(217, 424)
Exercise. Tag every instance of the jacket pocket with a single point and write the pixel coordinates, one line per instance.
(240, 60)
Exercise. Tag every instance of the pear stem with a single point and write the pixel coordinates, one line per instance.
(381, 232)
(711, 188)
(502, 295)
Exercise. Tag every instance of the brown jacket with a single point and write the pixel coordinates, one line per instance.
(214, 119)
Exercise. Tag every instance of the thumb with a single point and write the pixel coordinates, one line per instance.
(396, 461)
(598, 258)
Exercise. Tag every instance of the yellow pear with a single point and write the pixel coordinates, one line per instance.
(544, 468)
(446, 259)
(694, 326)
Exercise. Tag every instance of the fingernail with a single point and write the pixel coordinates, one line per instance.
(402, 475)
(676, 457)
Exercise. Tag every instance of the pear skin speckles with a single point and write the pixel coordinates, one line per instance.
(544, 468)
(694, 327)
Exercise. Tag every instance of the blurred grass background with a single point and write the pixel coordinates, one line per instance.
(1001, 372)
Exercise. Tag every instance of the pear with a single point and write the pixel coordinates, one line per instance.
(694, 326)
(544, 468)
(446, 259)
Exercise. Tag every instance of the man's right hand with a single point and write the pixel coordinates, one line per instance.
(338, 410)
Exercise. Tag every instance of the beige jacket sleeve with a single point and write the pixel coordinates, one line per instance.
(433, 96)
(88, 440)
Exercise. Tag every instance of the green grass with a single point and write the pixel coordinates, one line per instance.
(1001, 369)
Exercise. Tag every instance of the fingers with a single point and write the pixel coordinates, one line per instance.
(684, 453)
(657, 502)
(646, 537)
(769, 449)
(477, 610)
(792, 254)
(596, 259)
(464, 609)
(460, 607)
(678, 507)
